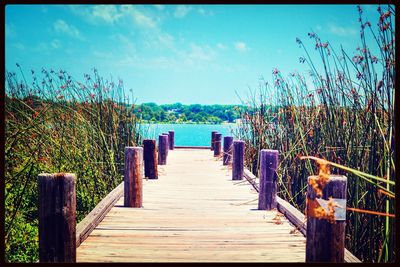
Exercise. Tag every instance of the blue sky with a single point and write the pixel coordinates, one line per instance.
(176, 53)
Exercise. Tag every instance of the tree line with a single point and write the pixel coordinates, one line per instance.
(180, 113)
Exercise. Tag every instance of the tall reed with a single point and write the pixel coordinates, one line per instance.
(54, 123)
(347, 117)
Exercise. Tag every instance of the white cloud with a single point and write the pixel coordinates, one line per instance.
(82, 11)
(61, 26)
(139, 17)
(19, 46)
(107, 13)
(102, 55)
(220, 46)
(201, 52)
(127, 44)
(42, 47)
(158, 40)
(205, 12)
(241, 46)
(159, 7)
(342, 31)
(55, 44)
(165, 38)
(46, 48)
(181, 11)
(10, 31)
(114, 13)
(124, 53)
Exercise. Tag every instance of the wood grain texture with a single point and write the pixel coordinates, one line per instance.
(228, 143)
(217, 144)
(171, 140)
(150, 158)
(238, 160)
(295, 216)
(133, 177)
(195, 212)
(86, 226)
(57, 217)
(268, 186)
(213, 133)
(162, 149)
(325, 240)
(167, 134)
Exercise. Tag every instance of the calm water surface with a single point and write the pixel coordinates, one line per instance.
(188, 134)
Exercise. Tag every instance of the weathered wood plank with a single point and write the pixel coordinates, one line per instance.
(325, 239)
(217, 144)
(268, 181)
(213, 133)
(228, 143)
(296, 217)
(150, 158)
(171, 140)
(162, 149)
(86, 226)
(133, 177)
(57, 217)
(238, 159)
(194, 212)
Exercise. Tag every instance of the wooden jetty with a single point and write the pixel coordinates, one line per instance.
(198, 210)
(193, 212)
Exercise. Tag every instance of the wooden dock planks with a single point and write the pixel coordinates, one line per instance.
(194, 212)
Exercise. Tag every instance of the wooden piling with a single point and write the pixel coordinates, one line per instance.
(217, 145)
(167, 134)
(171, 140)
(227, 159)
(213, 139)
(57, 217)
(133, 177)
(326, 236)
(268, 181)
(150, 159)
(238, 160)
(162, 149)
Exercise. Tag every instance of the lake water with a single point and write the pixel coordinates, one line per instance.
(188, 134)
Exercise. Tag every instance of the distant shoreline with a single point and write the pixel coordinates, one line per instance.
(188, 122)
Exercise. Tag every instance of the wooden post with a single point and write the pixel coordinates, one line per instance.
(228, 141)
(171, 140)
(325, 239)
(133, 177)
(57, 217)
(150, 159)
(162, 149)
(167, 134)
(217, 145)
(238, 160)
(213, 139)
(268, 186)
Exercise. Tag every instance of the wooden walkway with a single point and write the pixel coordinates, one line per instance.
(194, 212)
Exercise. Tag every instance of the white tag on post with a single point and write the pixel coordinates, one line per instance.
(339, 207)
